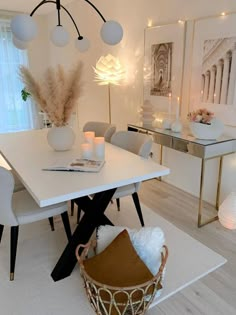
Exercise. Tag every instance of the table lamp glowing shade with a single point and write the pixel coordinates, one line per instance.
(109, 71)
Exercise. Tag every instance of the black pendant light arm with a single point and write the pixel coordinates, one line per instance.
(96, 9)
(59, 6)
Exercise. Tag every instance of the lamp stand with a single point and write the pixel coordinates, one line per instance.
(109, 102)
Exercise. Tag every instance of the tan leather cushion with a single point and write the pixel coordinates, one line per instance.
(118, 265)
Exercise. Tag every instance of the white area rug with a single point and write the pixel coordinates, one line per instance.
(33, 291)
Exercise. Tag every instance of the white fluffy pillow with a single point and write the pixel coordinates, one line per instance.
(147, 241)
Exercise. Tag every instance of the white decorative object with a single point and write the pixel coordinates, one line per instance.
(20, 44)
(61, 138)
(166, 124)
(99, 148)
(89, 136)
(86, 150)
(24, 27)
(83, 44)
(176, 126)
(59, 36)
(111, 32)
(147, 113)
(227, 212)
(205, 131)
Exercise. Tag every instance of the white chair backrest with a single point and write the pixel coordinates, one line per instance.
(101, 129)
(7, 216)
(135, 142)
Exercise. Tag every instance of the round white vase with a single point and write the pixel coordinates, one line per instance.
(61, 138)
(207, 132)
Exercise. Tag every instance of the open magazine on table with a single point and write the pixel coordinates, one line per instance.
(79, 165)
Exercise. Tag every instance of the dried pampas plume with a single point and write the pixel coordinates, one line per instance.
(57, 93)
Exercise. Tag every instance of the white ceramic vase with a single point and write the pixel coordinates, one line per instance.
(176, 126)
(61, 138)
(207, 132)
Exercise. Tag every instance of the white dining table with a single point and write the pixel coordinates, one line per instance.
(28, 153)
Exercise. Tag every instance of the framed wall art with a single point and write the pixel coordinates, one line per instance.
(213, 78)
(163, 64)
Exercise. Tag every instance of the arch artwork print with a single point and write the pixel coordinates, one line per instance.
(161, 69)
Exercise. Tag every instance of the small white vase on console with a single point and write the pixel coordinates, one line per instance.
(176, 126)
(61, 138)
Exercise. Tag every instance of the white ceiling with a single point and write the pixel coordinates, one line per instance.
(28, 5)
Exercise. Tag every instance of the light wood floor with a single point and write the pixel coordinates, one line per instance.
(216, 293)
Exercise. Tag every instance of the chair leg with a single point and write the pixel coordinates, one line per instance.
(66, 223)
(1, 231)
(138, 207)
(118, 204)
(51, 221)
(14, 241)
(72, 207)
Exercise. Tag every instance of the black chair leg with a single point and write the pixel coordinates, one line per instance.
(14, 241)
(72, 207)
(66, 223)
(1, 231)
(138, 207)
(51, 221)
(118, 204)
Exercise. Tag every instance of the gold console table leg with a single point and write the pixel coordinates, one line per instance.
(219, 183)
(160, 158)
(200, 223)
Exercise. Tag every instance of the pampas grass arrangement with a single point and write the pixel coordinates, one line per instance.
(57, 93)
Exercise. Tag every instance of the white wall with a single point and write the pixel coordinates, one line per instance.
(126, 100)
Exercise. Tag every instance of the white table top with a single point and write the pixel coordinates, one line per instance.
(28, 152)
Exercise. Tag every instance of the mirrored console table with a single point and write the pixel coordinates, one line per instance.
(203, 149)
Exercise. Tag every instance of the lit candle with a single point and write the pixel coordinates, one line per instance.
(86, 150)
(99, 148)
(169, 107)
(89, 136)
(177, 109)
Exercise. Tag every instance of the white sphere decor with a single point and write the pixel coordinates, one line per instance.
(61, 138)
(59, 36)
(20, 44)
(24, 27)
(111, 32)
(82, 44)
(227, 212)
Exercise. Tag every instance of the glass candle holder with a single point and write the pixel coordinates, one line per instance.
(86, 150)
(89, 136)
(99, 148)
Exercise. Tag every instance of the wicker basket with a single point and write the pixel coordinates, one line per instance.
(109, 300)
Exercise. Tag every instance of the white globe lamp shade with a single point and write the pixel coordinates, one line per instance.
(82, 44)
(24, 27)
(111, 32)
(59, 36)
(227, 212)
(20, 44)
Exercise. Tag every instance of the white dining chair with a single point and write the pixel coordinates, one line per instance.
(19, 185)
(18, 208)
(137, 143)
(101, 129)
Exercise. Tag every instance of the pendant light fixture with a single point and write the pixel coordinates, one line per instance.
(25, 29)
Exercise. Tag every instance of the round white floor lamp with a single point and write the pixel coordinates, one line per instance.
(227, 212)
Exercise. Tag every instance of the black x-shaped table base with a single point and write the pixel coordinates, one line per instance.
(93, 217)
